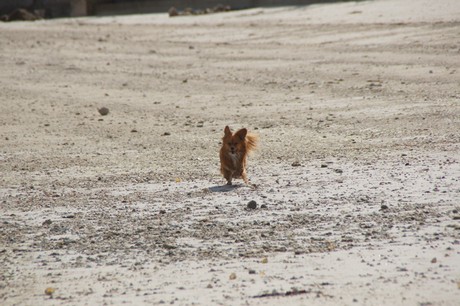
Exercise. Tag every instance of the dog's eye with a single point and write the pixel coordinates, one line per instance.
(229, 143)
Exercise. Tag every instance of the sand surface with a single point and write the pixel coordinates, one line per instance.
(357, 106)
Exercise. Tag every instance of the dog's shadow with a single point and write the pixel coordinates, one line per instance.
(223, 188)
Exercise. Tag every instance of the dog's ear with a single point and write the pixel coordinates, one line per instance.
(242, 133)
(227, 131)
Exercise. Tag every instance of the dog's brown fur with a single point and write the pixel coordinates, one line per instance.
(234, 153)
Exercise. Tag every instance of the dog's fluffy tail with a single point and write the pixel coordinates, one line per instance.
(251, 142)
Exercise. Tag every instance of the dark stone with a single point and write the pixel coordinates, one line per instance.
(103, 111)
(252, 204)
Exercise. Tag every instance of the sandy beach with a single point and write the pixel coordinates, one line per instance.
(357, 175)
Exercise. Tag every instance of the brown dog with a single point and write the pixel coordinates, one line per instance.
(234, 153)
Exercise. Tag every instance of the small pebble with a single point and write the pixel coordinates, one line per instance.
(103, 111)
(232, 276)
(252, 204)
(49, 291)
